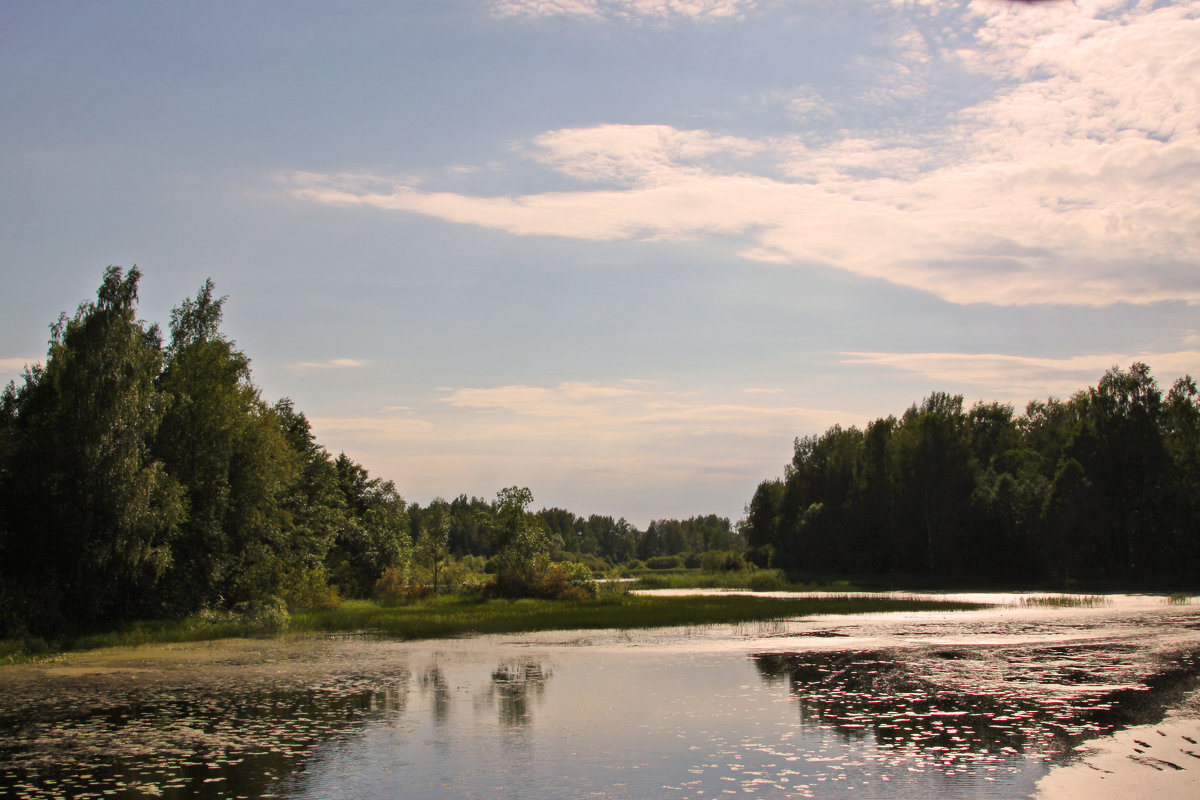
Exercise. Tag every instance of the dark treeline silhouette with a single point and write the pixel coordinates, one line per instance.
(1103, 486)
(143, 477)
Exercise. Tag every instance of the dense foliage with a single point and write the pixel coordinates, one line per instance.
(141, 478)
(1105, 485)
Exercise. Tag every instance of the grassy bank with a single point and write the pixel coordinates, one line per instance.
(455, 616)
(449, 616)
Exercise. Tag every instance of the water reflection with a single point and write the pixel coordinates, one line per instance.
(963, 705)
(927, 708)
(513, 685)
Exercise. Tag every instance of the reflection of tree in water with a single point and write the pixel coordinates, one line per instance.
(1035, 702)
(434, 680)
(513, 683)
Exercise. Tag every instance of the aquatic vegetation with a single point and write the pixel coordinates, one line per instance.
(1066, 601)
(1179, 598)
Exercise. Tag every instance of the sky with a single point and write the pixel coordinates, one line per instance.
(621, 252)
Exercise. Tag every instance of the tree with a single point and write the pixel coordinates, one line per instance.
(91, 512)
(520, 540)
(206, 431)
(371, 534)
(433, 546)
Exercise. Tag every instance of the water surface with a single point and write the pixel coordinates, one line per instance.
(967, 704)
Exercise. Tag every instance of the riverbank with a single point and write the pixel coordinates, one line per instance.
(451, 616)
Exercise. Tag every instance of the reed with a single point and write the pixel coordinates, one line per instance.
(1066, 601)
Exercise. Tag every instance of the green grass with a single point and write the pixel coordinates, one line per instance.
(1179, 598)
(196, 628)
(763, 580)
(457, 616)
(449, 616)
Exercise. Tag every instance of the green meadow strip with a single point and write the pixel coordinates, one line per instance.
(453, 617)
(457, 616)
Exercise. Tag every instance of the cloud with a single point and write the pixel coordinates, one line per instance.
(383, 428)
(647, 447)
(16, 365)
(625, 10)
(1022, 378)
(333, 363)
(1073, 183)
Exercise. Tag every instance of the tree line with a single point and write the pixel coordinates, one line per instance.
(142, 474)
(1102, 486)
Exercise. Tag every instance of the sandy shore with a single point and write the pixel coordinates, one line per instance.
(1160, 761)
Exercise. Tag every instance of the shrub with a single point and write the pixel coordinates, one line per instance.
(392, 588)
(264, 616)
(722, 561)
(664, 562)
(309, 591)
(561, 580)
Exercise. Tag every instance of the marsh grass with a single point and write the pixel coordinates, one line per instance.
(1066, 601)
(448, 616)
(762, 580)
(205, 626)
(1179, 598)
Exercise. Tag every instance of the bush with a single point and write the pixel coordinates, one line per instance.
(561, 580)
(722, 561)
(393, 588)
(264, 616)
(310, 591)
(664, 562)
(590, 560)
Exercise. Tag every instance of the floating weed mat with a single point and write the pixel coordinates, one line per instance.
(247, 734)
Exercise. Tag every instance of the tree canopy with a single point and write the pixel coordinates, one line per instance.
(1103, 485)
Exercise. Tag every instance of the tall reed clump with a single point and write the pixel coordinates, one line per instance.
(1065, 601)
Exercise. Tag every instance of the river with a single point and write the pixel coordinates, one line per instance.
(976, 704)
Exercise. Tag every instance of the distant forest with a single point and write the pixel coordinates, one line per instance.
(1104, 486)
(145, 476)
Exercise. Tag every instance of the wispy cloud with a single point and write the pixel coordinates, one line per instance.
(640, 440)
(12, 365)
(1022, 378)
(1074, 183)
(625, 10)
(333, 363)
(381, 428)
